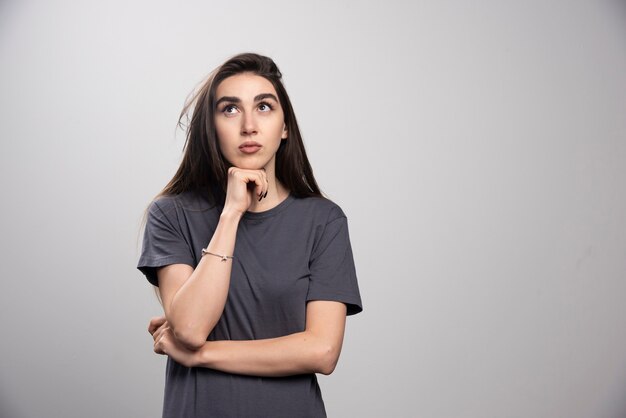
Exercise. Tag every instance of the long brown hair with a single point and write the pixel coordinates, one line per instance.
(204, 169)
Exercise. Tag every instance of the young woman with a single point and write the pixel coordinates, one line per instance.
(253, 266)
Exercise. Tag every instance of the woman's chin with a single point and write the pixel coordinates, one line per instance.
(249, 165)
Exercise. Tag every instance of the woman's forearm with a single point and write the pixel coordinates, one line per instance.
(314, 350)
(198, 304)
(298, 353)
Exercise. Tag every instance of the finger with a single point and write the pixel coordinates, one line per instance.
(155, 323)
(266, 183)
(160, 329)
(251, 178)
(255, 180)
(159, 347)
(162, 344)
(260, 184)
(156, 335)
(159, 332)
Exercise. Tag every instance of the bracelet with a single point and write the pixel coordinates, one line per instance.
(223, 257)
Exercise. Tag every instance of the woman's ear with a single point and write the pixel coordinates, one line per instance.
(285, 132)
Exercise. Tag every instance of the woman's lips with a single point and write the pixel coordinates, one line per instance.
(250, 147)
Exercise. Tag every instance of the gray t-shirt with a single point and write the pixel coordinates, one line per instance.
(293, 253)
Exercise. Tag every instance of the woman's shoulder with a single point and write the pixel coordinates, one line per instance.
(320, 207)
(187, 201)
(174, 205)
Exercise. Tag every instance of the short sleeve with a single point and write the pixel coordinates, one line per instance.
(163, 241)
(333, 274)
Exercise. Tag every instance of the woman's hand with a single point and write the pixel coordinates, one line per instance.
(166, 343)
(242, 186)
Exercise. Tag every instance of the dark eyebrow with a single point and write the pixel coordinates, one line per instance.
(265, 96)
(228, 99)
(257, 98)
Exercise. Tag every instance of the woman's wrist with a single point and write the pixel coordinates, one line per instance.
(203, 356)
(230, 215)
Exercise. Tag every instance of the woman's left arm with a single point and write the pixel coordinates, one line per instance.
(314, 350)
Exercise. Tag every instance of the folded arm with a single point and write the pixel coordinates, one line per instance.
(314, 350)
(193, 299)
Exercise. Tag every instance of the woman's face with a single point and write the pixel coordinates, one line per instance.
(249, 121)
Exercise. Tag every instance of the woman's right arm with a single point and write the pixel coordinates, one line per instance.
(193, 299)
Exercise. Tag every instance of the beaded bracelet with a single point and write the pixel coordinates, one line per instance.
(223, 257)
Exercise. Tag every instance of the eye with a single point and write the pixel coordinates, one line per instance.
(229, 109)
(265, 107)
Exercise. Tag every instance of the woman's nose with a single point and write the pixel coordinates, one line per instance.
(248, 124)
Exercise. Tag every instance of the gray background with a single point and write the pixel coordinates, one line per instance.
(478, 148)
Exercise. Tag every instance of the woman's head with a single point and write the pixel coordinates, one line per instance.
(204, 165)
(249, 122)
